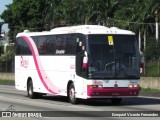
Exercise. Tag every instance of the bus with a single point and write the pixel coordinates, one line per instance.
(79, 62)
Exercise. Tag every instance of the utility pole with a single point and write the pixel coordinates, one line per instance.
(156, 20)
(139, 38)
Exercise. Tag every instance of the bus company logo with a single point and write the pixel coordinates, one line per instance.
(98, 82)
(133, 81)
(24, 62)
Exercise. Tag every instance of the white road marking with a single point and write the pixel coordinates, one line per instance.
(86, 108)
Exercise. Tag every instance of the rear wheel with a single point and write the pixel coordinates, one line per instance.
(116, 101)
(71, 95)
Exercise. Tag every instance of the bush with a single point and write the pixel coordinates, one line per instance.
(1, 49)
(152, 58)
(152, 51)
(8, 55)
(152, 69)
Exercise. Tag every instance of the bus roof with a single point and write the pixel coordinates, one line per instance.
(84, 29)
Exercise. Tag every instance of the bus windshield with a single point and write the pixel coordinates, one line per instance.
(113, 56)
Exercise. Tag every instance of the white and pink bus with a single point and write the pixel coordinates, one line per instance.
(80, 62)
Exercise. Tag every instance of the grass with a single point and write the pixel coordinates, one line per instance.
(150, 90)
(152, 69)
(7, 82)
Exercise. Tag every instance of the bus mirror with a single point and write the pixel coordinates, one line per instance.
(141, 68)
(80, 43)
(85, 61)
(83, 48)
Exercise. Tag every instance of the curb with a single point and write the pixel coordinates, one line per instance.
(150, 94)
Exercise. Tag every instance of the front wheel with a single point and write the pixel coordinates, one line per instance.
(72, 95)
(30, 92)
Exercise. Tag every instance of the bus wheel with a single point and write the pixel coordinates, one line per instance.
(116, 101)
(30, 92)
(72, 96)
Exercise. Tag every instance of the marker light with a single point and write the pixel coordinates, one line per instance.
(95, 86)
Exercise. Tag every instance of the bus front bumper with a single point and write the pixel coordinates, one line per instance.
(112, 92)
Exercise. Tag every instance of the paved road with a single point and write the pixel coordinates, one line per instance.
(10, 98)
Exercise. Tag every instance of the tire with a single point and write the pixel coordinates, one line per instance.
(116, 101)
(71, 94)
(31, 94)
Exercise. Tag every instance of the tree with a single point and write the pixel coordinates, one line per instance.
(24, 14)
(1, 23)
(53, 13)
(45, 14)
(138, 16)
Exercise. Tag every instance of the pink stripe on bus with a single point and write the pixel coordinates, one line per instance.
(42, 75)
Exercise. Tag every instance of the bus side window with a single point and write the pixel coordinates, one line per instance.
(42, 45)
(60, 44)
(51, 43)
(71, 44)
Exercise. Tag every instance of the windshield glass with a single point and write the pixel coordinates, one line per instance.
(113, 56)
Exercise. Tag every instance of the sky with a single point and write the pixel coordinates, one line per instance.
(2, 8)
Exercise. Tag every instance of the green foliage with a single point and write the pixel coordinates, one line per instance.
(152, 69)
(152, 58)
(38, 15)
(8, 55)
(24, 14)
(149, 90)
(1, 23)
(152, 51)
(1, 49)
(136, 13)
(7, 82)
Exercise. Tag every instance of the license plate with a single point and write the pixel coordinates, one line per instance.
(115, 94)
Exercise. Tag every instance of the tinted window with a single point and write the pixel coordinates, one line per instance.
(51, 43)
(45, 44)
(42, 44)
(114, 56)
(60, 44)
(71, 44)
(22, 48)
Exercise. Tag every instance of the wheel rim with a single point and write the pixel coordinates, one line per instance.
(72, 94)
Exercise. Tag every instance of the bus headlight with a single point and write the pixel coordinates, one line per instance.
(100, 86)
(130, 86)
(136, 85)
(95, 86)
(133, 86)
